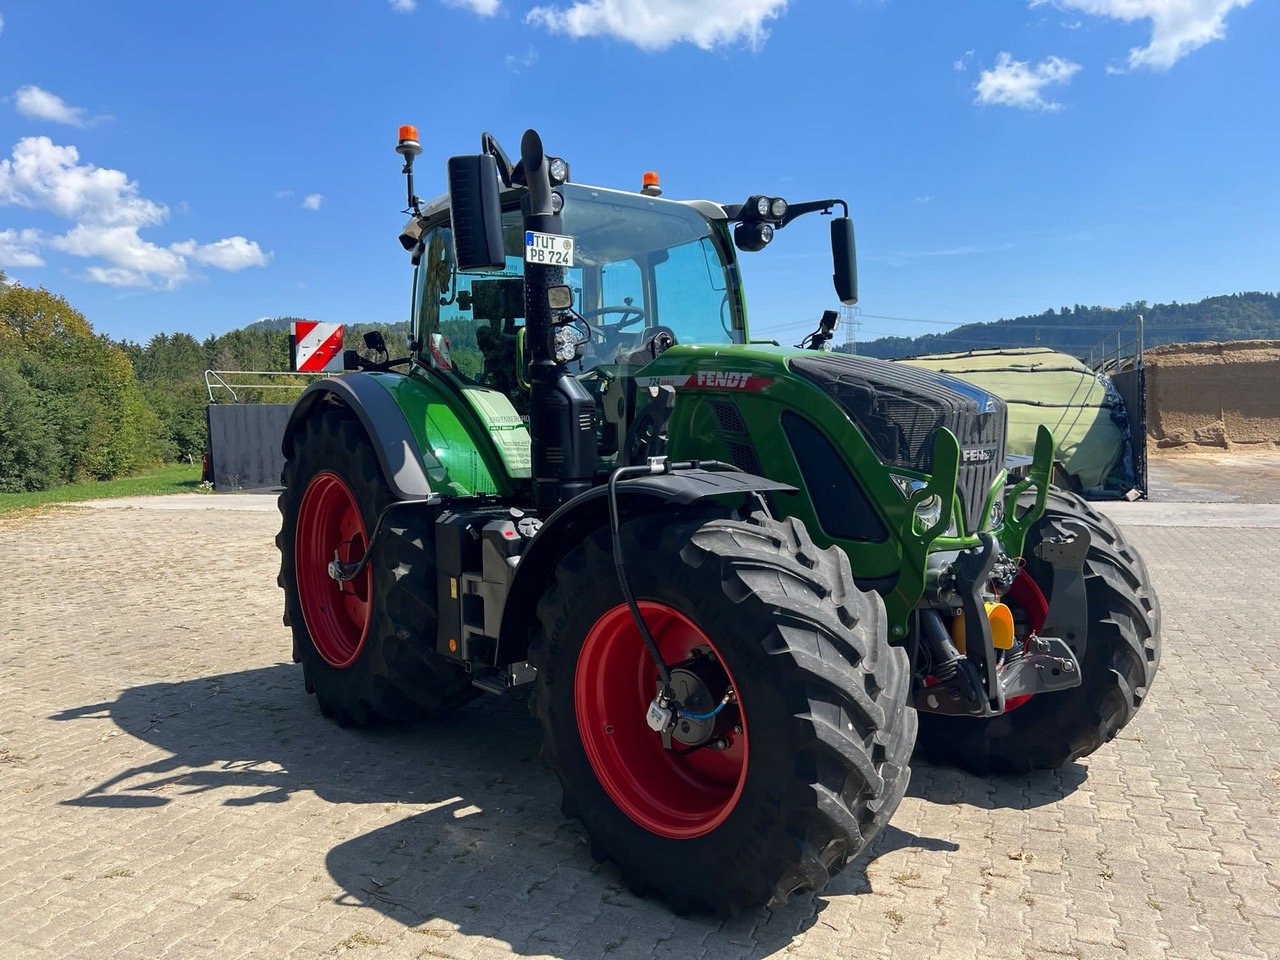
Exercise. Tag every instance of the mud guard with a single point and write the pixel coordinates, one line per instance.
(573, 521)
(402, 460)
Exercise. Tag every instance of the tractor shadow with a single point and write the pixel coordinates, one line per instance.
(489, 853)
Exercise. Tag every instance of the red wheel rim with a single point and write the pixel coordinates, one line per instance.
(1025, 594)
(666, 793)
(337, 614)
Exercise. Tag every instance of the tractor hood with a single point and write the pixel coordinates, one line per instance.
(896, 410)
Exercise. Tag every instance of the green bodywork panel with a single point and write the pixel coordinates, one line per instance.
(757, 380)
(474, 434)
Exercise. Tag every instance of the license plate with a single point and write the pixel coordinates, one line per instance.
(550, 249)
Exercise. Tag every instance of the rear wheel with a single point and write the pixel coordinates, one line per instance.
(798, 772)
(1121, 657)
(367, 646)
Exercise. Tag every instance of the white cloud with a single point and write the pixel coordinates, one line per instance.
(18, 248)
(404, 6)
(32, 101)
(312, 201)
(44, 176)
(1177, 26)
(283, 194)
(961, 65)
(107, 212)
(232, 254)
(657, 24)
(134, 262)
(1, 24)
(1015, 83)
(483, 8)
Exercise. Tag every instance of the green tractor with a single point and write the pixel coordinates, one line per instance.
(729, 574)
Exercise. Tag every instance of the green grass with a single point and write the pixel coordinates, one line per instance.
(170, 478)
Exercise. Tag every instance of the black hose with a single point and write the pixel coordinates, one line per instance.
(664, 674)
(625, 473)
(346, 572)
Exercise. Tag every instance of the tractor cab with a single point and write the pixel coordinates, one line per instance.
(646, 274)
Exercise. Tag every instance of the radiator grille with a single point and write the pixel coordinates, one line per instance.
(900, 407)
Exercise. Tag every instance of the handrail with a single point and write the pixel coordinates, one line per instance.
(214, 379)
(1104, 356)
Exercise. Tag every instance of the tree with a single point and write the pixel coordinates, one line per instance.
(75, 409)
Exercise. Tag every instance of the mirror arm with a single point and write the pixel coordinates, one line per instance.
(489, 144)
(813, 206)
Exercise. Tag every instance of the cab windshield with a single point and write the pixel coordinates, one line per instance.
(642, 265)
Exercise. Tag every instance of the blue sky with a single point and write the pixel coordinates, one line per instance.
(183, 166)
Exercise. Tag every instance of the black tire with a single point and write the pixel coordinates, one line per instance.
(397, 676)
(1120, 662)
(824, 695)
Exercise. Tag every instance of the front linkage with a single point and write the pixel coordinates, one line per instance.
(967, 677)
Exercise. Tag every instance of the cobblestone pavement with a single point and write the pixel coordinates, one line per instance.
(168, 790)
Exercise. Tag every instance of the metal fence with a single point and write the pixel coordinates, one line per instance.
(218, 385)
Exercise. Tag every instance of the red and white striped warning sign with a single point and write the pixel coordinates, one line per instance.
(317, 347)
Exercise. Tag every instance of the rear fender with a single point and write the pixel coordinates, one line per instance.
(407, 469)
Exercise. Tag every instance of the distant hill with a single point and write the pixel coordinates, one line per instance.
(1237, 316)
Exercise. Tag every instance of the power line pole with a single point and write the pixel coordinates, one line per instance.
(852, 326)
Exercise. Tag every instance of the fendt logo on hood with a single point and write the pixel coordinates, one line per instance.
(708, 380)
(978, 454)
(725, 379)
(728, 380)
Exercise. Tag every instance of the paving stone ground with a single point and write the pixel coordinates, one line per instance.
(167, 789)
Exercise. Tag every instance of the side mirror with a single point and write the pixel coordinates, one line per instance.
(477, 212)
(844, 259)
(373, 340)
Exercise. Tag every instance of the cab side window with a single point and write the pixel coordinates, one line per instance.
(468, 321)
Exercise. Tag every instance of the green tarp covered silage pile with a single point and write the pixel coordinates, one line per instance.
(1044, 387)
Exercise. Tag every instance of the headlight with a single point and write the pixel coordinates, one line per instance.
(997, 512)
(557, 201)
(929, 510)
(762, 206)
(557, 170)
(566, 344)
(778, 208)
(752, 236)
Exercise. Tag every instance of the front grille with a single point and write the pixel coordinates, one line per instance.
(899, 408)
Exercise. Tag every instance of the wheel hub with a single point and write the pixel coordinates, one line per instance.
(698, 685)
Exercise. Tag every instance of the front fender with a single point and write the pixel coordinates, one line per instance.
(574, 521)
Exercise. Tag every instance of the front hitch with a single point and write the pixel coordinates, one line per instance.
(979, 686)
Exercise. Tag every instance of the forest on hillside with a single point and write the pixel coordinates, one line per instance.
(1237, 316)
(76, 405)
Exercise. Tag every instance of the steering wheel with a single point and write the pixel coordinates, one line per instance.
(629, 313)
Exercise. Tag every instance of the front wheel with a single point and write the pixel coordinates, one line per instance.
(807, 758)
(1119, 665)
